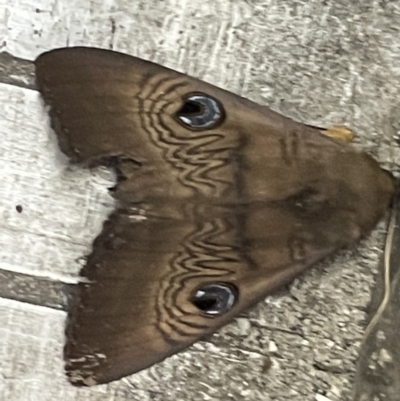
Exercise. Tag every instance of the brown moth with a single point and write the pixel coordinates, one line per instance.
(220, 201)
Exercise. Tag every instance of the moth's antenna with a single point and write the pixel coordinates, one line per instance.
(368, 344)
(386, 268)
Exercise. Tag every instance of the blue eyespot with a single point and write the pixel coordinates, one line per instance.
(215, 299)
(200, 111)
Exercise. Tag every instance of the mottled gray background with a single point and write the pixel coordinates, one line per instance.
(321, 62)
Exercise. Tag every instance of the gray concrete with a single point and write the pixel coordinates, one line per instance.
(321, 62)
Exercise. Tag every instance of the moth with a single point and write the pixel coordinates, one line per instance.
(220, 201)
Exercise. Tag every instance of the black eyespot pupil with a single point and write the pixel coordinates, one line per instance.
(205, 303)
(189, 108)
(215, 299)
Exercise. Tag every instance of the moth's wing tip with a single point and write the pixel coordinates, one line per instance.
(76, 378)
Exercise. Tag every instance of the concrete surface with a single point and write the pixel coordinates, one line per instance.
(321, 62)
